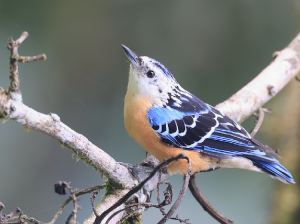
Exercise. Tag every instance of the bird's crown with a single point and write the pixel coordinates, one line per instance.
(149, 78)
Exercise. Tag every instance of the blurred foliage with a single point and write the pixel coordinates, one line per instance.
(213, 48)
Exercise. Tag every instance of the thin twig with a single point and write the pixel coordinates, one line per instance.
(27, 59)
(205, 204)
(181, 194)
(12, 107)
(11, 214)
(30, 219)
(259, 122)
(73, 215)
(93, 201)
(15, 58)
(74, 212)
(162, 210)
(168, 199)
(58, 213)
(122, 200)
(23, 36)
(168, 193)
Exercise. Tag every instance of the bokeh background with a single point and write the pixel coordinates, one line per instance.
(213, 48)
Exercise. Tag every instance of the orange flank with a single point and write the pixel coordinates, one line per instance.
(138, 127)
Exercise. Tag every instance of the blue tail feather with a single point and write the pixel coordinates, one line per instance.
(275, 170)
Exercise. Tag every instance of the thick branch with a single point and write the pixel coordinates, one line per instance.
(141, 171)
(87, 151)
(266, 85)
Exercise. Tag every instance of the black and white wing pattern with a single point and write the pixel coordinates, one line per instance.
(189, 123)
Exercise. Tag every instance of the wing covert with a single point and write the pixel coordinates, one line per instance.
(206, 130)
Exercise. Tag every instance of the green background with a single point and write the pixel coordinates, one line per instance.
(213, 48)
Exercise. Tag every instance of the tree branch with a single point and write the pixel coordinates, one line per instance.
(12, 107)
(58, 213)
(205, 204)
(266, 85)
(239, 106)
(139, 187)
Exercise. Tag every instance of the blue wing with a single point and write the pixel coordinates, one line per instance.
(189, 123)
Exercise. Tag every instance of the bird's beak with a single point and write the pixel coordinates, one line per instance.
(133, 57)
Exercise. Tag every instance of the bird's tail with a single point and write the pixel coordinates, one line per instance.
(275, 170)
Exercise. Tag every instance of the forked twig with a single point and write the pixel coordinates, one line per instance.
(181, 194)
(14, 58)
(77, 194)
(168, 198)
(7, 217)
(168, 193)
(74, 212)
(100, 218)
(205, 204)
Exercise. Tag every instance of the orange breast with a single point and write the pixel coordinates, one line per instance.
(138, 127)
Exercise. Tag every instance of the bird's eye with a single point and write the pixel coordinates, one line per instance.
(150, 74)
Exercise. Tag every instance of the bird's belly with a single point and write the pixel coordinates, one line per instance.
(138, 127)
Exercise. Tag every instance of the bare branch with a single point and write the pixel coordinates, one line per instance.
(27, 59)
(12, 107)
(241, 105)
(74, 212)
(58, 213)
(7, 217)
(168, 193)
(168, 199)
(261, 115)
(77, 194)
(122, 200)
(93, 202)
(181, 195)
(23, 36)
(257, 92)
(205, 204)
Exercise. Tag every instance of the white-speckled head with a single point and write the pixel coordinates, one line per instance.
(149, 78)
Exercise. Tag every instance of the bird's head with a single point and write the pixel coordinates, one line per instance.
(149, 78)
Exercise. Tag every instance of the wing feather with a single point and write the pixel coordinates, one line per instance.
(194, 125)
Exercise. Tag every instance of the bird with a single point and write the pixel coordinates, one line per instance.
(166, 120)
